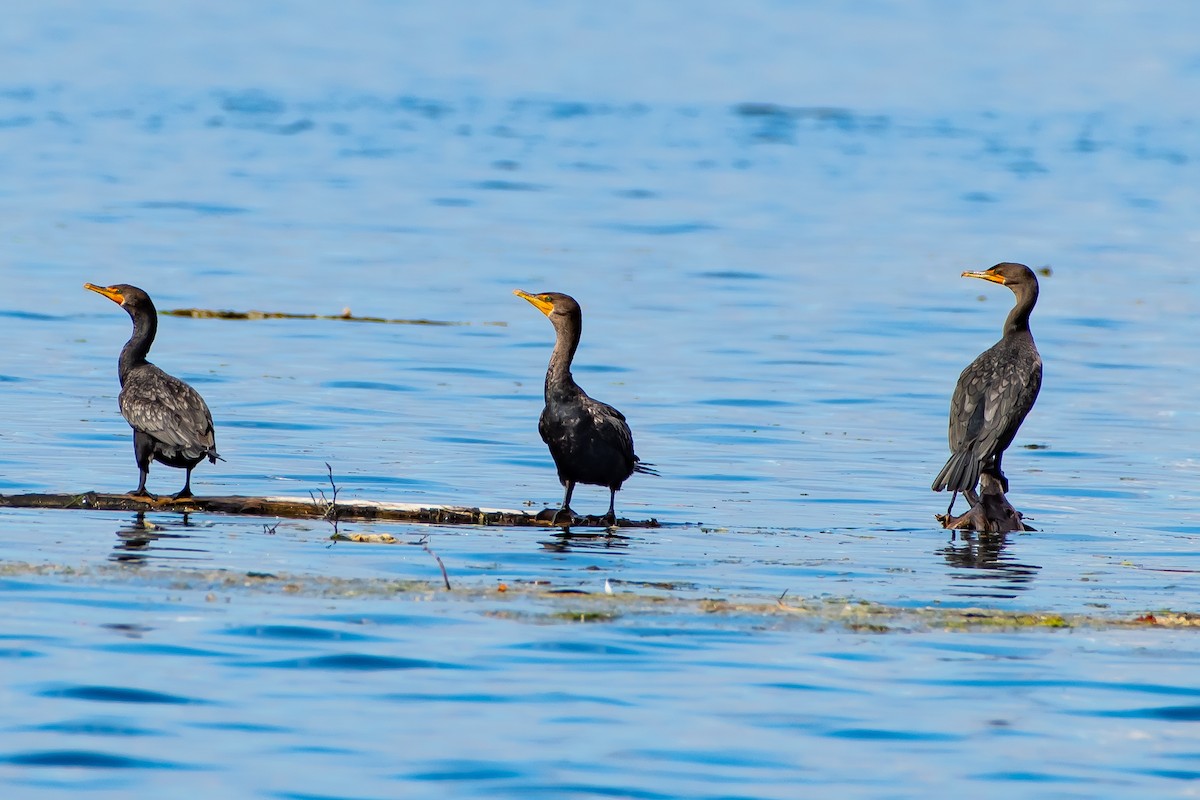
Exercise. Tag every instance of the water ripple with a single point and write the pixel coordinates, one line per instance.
(161, 649)
(354, 662)
(507, 186)
(368, 385)
(15, 653)
(490, 698)
(85, 759)
(96, 727)
(1172, 774)
(660, 229)
(577, 648)
(205, 209)
(274, 426)
(585, 790)
(119, 694)
(1167, 713)
(746, 402)
(1029, 776)
(728, 757)
(466, 770)
(297, 633)
(876, 734)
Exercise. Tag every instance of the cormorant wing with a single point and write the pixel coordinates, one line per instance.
(610, 425)
(166, 408)
(991, 399)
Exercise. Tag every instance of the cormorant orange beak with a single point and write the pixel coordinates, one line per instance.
(987, 275)
(107, 291)
(544, 306)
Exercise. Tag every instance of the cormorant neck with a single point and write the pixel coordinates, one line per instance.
(1018, 318)
(567, 331)
(133, 354)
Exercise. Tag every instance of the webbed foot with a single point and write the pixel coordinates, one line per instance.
(564, 516)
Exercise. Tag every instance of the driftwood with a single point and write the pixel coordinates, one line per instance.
(309, 508)
(990, 512)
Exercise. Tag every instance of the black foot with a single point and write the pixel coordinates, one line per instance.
(142, 494)
(564, 516)
(182, 494)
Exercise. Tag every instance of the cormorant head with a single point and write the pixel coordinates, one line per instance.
(130, 298)
(555, 305)
(1006, 274)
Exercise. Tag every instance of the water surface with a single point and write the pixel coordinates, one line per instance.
(763, 212)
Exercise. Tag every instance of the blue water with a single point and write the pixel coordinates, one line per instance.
(763, 210)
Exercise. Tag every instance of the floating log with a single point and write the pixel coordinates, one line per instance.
(309, 508)
(992, 513)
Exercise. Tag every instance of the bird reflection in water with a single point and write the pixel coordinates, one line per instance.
(140, 541)
(566, 541)
(983, 558)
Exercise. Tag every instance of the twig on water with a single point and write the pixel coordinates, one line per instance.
(328, 505)
(794, 609)
(424, 542)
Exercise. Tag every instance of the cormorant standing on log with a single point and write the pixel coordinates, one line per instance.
(994, 393)
(170, 420)
(590, 441)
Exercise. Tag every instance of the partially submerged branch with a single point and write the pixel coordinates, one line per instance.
(328, 506)
(425, 546)
(992, 514)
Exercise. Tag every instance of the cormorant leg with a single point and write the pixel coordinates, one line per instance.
(950, 508)
(143, 449)
(140, 491)
(186, 491)
(566, 505)
(611, 516)
(995, 470)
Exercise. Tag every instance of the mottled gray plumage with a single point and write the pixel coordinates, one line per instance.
(589, 441)
(171, 412)
(995, 392)
(170, 420)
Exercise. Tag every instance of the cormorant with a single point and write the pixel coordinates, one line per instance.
(170, 420)
(590, 441)
(994, 393)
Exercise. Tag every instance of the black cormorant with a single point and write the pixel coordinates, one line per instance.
(170, 420)
(995, 392)
(590, 441)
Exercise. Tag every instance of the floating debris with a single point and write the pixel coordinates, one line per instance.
(547, 603)
(345, 316)
(371, 538)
